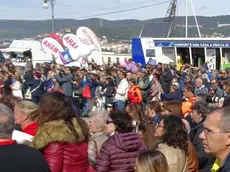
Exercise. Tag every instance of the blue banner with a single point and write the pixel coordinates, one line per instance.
(66, 57)
(193, 44)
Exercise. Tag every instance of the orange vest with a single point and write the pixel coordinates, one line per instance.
(134, 95)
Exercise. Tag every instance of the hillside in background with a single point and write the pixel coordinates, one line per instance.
(120, 29)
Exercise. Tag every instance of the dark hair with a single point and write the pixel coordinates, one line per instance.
(122, 121)
(123, 73)
(157, 75)
(190, 88)
(110, 82)
(201, 107)
(57, 106)
(155, 105)
(132, 80)
(175, 133)
(9, 101)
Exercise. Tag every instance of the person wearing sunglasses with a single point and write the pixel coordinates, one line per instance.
(119, 152)
(216, 138)
(215, 85)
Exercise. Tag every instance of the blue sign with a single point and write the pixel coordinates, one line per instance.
(193, 44)
(66, 57)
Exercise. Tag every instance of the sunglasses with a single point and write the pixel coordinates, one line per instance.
(108, 122)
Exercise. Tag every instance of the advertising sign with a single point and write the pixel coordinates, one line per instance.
(193, 44)
(87, 37)
(52, 46)
(70, 40)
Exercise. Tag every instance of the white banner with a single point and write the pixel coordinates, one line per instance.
(88, 37)
(70, 41)
(211, 58)
(52, 46)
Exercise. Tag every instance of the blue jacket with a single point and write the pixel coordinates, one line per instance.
(48, 84)
(92, 85)
(156, 119)
(171, 96)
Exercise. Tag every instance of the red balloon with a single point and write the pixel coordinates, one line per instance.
(57, 38)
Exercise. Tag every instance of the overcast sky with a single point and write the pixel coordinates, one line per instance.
(79, 9)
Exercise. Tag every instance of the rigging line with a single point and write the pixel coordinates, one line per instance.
(117, 6)
(121, 11)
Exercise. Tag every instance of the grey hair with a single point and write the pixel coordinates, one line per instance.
(224, 118)
(7, 122)
(200, 80)
(100, 118)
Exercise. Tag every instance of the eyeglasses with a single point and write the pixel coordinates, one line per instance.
(159, 126)
(213, 83)
(108, 122)
(208, 132)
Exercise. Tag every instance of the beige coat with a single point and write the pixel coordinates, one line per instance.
(95, 143)
(175, 157)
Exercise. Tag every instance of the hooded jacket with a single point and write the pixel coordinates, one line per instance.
(61, 149)
(118, 153)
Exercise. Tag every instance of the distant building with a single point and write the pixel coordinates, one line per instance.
(111, 57)
(224, 25)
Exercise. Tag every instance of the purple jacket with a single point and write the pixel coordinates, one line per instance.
(118, 153)
(132, 67)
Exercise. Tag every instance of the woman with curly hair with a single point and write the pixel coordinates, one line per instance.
(173, 142)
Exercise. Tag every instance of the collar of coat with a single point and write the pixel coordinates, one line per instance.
(97, 134)
(57, 131)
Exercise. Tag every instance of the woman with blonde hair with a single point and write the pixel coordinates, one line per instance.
(16, 86)
(25, 113)
(226, 87)
(151, 161)
(172, 107)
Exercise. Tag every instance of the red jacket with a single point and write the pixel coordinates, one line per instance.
(31, 129)
(61, 149)
(66, 157)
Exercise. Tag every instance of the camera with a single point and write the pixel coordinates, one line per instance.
(224, 101)
(213, 99)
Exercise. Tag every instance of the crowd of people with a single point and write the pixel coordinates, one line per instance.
(151, 118)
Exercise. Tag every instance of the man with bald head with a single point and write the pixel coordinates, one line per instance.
(15, 157)
(216, 138)
(200, 87)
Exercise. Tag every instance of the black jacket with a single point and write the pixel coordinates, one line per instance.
(29, 76)
(205, 161)
(226, 166)
(166, 80)
(34, 84)
(18, 158)
(109, 95)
